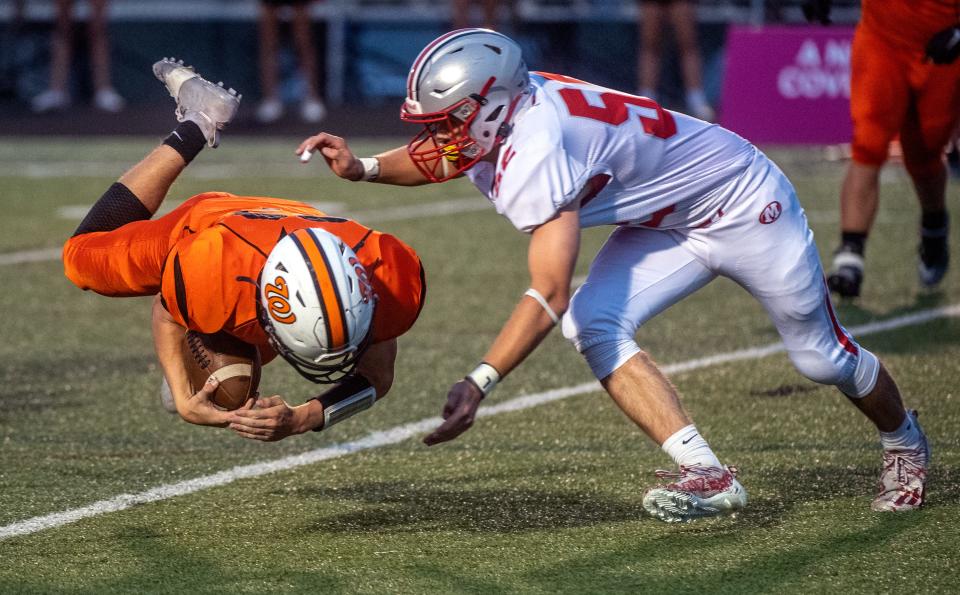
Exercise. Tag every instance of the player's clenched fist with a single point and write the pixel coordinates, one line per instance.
(335, 151)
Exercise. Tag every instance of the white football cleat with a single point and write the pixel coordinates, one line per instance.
(697, 492)
(904, 476)
(210, 106)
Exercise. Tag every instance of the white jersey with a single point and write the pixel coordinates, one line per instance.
(625, 159)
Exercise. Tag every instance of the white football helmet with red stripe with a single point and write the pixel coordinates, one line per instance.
(464, 87)
(316, 304)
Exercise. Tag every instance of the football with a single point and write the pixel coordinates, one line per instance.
(234, 363)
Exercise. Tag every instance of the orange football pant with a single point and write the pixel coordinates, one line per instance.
(895, 91)
(127, 261)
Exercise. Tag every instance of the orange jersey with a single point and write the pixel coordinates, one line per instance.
(908, 24)
(894, 90)
(205, 257)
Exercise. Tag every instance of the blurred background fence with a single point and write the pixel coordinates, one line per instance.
(364, 47)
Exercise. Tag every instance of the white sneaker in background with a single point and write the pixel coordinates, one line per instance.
(49, 101)
(108, 100)
(269, 111)
(704, 112)
(313, 111)
(699, 107)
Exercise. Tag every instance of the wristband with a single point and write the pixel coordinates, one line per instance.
(351, 395)
(484, 377)
(371, 168)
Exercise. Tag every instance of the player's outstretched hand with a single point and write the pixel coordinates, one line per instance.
(335, 151)
(200, 409)
(459, 412)
(269, 419)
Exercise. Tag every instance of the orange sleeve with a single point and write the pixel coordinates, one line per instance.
(401, 288)
(209, 285)
(193, 282)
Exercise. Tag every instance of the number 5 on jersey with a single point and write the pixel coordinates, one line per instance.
(616, 107)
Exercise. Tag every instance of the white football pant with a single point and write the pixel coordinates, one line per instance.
(762, 242)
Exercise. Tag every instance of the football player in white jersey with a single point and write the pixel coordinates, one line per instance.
(689, 201)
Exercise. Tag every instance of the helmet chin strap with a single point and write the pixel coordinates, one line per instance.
(506, 127)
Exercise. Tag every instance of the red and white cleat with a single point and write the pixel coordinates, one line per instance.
(698, 492)
(904, 477)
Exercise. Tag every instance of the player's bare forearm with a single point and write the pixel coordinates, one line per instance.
(377, 366)
(551, 257)
(526, 328)
(393, 166)
(552, 254)
(396, 168)
(168, 344)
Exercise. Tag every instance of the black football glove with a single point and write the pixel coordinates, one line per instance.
(817, 10)
(944, 47)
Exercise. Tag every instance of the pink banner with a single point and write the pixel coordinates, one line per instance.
(788, 85)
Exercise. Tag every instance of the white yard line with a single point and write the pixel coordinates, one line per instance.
(41, 255)
(400, 433)
(400, 213)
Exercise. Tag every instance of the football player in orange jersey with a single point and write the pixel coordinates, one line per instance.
(905, 79)
(325, 293)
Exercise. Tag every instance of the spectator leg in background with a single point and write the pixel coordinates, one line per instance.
(56, 96)
(105, 97)
(651, 43)
(683, 15)
(270, 108)
(312, 110)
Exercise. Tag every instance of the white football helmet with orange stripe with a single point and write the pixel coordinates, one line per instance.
(464, 87)
(316, 304)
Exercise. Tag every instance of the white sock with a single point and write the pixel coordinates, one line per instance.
(687, 447)
(648, 93)
(906, 437)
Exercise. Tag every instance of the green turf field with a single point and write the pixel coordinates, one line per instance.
(540, 500)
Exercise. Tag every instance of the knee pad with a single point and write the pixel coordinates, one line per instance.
(604, 348)
(864, 377)
(606, 356)
(854, 377)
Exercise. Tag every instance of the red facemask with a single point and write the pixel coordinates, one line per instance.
(444, 149)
